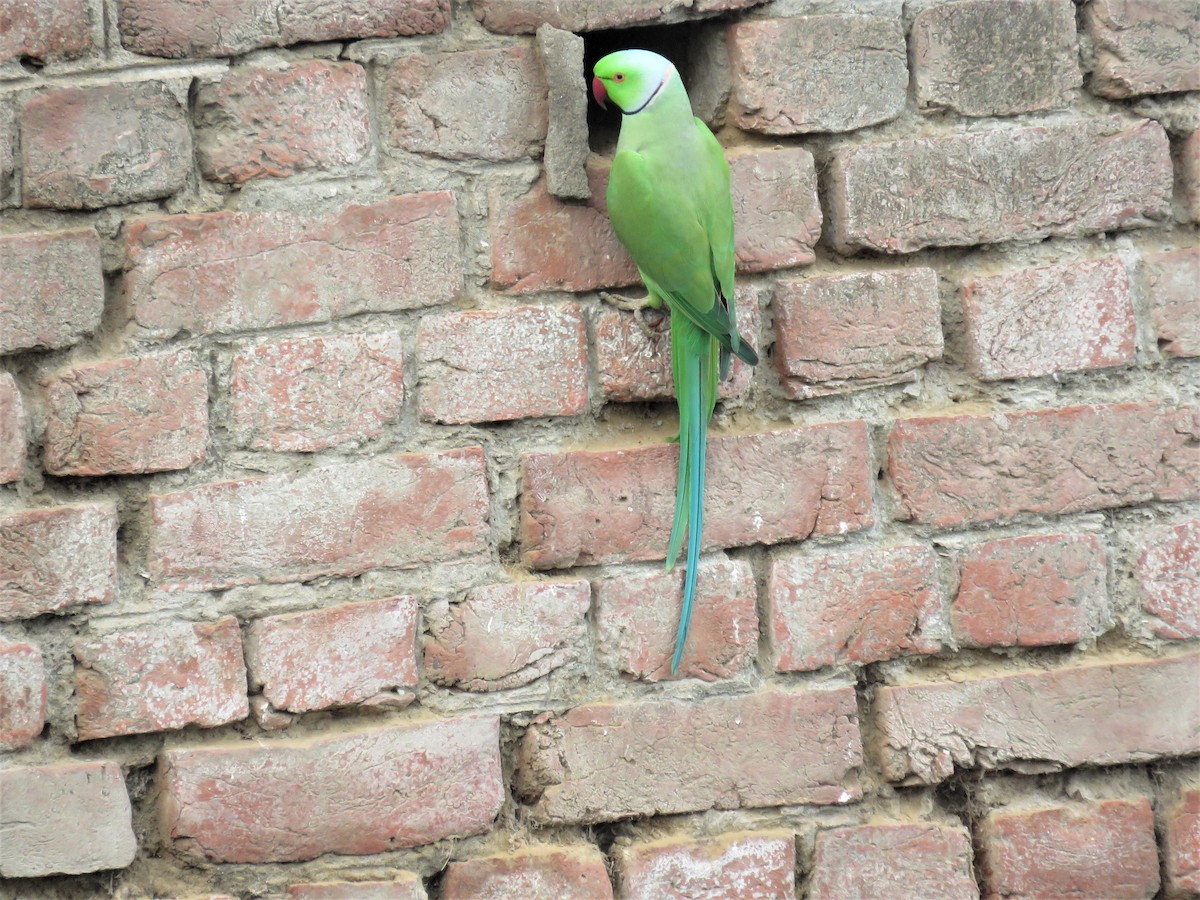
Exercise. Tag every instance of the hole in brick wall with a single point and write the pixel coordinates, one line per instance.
(672, 41)
(32, 63)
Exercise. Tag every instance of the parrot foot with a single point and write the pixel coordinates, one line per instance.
(647, 310)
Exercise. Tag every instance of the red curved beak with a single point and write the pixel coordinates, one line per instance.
(599, 92)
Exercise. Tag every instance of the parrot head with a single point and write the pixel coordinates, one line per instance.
(630, 78)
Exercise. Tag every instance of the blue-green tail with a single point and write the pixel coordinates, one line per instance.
(695, 361)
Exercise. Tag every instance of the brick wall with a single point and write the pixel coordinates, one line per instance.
(333, 500)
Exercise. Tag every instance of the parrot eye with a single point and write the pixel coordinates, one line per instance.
(620, 76)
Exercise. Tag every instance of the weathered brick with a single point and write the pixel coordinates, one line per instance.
(1059, 318)
(406, 886)
(51, 289)
(469, 104)
(259, 121)
(485, 366)
(57, 557)
(616, 760)
(564, 160)
(1100, 713)
(1168, 576)
(1181, 846)
(524, 16)
(739, 864)
(179, 28)
(363, 652)
(817, 73)
(586, 507)
(1189, 174)
(46, 30)
(64, 819)
(777, 219)
(637, 615)
(12, 430)
(1019, 183)
(221, 272)
(160, 677)
(309, 394)
(835, 333)
(535, 873)
(856, 606)
(1089, 849)
(540, 243)
(354, 792)
(633, 365)
(88, 147)
(22, 694)
(932, 862)
(953, 470)
(340, 519)
(1170, 281)
(1030, 591)
(502, 636)
(980, 58)
(8, 152)
(123, 416)
(1148, 47)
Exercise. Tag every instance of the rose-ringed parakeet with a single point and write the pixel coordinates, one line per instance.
(669, 202)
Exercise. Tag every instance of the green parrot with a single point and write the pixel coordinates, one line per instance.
(669, 202)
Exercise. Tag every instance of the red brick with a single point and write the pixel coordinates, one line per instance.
(179, 28)
(932, 862)
(353, 792)
(214, 273)
(1003, 184)
(407, 886)
(586, 507)
(51, 289)
(160, 677)
(1181, 846)
(273, 122)
(502, 636)
(355, 653)
(739, 864)
(64, 819)
(336, 520)
(22, 695)
(835, 333)
(954, 470)
(1170, 285)
(637, 615)
(310, 394)
(777, 219)
(1101, 713)
(633, 366)
(1189, 174)
(817, 73)
(612, 761)
(524, 16)
(1146, 47)
(980, 59)
(1168, 576)
(57, 557)
(124, 416)
(12, 430)
(540, 243)
(853, 607)
(1091, 849)
(468, 104)
(1051, 319)
(536, 873)
(1030, 591)
(486, 366)
(46, 30)
(88, 147)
